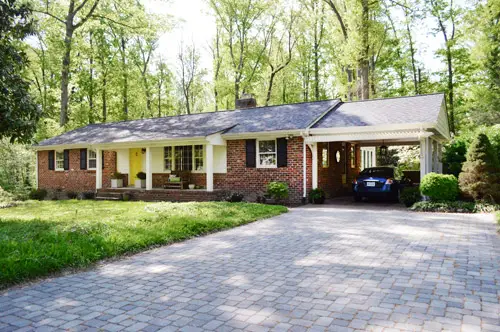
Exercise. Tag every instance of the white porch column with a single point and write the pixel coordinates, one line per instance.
(210, 167)
(425, 156)
(434, 156)
(314, 150)
(98, 169)
(149, 170)
(440, 158)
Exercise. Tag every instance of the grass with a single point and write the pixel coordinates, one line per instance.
(498, 217)
(41, 238)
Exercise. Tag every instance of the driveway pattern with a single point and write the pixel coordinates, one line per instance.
(322, 268)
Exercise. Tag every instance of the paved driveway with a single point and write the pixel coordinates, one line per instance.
(315, 268)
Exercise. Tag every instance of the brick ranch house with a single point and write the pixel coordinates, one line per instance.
(307, 145)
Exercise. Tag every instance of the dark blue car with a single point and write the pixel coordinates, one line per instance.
(376, 182)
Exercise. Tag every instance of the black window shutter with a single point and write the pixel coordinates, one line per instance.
(102, 158)
(51, 160)
(66, 160)
(83, 158)
(282, 152)
(251, 153)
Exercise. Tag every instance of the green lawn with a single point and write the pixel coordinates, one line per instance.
(39, 238)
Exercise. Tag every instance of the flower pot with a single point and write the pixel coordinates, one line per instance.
(140, 183)
(116, 183)
(191, 186)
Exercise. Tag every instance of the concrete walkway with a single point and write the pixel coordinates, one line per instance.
(316, 268)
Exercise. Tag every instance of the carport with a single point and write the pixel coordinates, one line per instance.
(418, 120)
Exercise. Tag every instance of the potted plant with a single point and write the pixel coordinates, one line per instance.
(317, 196)
(117, 180)
(140, 182)
(191, 186)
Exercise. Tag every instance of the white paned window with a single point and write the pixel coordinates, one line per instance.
(324, 157)
(91, 159)
(198, 158)
(168, 156)
(266, 153)
(59, 160)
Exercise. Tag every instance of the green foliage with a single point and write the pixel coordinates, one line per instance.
(439, 187)
(277, 190)
(480, 176)
(40, 238)
(498, 217)
(317, 196)
(390, 159)
(18, 113)
(410, 195)
(6, 198)
(117, 176)
(141, 176)
(72, 195)
(17, 174)
(235, 198)
(454, 206)
(38, 194)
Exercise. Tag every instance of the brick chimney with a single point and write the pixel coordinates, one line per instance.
(246, 101)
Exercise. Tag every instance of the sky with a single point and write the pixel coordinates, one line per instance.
(194, 24)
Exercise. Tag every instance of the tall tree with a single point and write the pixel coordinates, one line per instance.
(18, 112)
(446, 15)
(76, 16)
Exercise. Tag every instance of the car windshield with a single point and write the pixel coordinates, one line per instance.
(384, 172)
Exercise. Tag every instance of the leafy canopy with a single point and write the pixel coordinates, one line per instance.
(18, 113)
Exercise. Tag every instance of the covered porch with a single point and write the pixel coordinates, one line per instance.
(191, 163)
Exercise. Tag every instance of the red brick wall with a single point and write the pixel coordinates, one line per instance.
(74, 179)
(252, 181)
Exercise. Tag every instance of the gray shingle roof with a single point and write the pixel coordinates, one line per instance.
(399, 110)
(281, 117)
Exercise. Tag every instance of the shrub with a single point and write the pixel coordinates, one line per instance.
(118, 176)
(235, 198)
(72, 194)
(277, 190)
(141, 175)
(88, 195)
(439, 187)
(317, 196)
(409, 196)
(38, 194)
(454, 206)
(6, 198)
(480, 177)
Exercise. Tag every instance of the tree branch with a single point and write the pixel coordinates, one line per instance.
(89, 14)
(50, 14)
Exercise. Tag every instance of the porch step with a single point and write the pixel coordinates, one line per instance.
(109, 195)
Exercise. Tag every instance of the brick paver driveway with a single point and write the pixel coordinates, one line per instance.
(315, 268)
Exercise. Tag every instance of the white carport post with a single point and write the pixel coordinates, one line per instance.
(98, 169)
(210, 167)
(425, 156)
(439, 158)
(149, 170)
(314, 152)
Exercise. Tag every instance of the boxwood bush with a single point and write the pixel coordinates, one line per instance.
(455, 206)
(409, 196)
(439, 187)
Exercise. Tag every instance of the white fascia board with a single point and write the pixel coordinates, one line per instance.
(263, 134)
(379, 128)
(409, 135)
(123, 145)
(216, 139)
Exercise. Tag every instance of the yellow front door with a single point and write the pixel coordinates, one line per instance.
(135, 159)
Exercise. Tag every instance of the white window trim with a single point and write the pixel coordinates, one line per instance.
(88, 160)
(327, 148)
(55, 160)
(173, 158)
(258, 153)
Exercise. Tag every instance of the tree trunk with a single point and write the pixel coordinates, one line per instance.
(450, 88)
(125, 78)
(270, 87)
(63, 119)
(364, 63)
(91, 88)
(412, 54)
(104, 100)
(350, 78)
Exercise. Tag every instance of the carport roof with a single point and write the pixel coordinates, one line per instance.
(375, 112)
